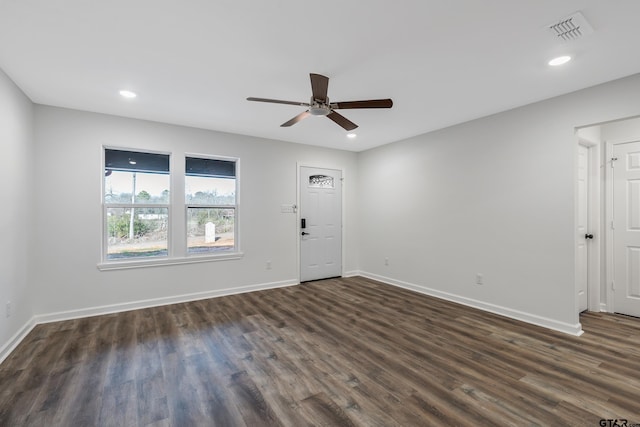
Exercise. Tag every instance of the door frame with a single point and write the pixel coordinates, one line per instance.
(609, 183)
(594, 225)
(299, 166)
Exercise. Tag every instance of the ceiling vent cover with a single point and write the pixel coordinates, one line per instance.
(571, 27)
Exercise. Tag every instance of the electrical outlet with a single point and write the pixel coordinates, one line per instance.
(268, 265)
(8, 308)
(386, 261)
(479, 279)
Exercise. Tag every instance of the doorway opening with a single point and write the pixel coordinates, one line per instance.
(611, 213)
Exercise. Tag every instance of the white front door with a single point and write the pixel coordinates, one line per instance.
(320, 223)
(626, 224)
(582, 229)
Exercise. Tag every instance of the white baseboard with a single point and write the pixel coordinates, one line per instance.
(351, 273)
(567, 328)
(603, 307)
(156, 302)
(16, 339)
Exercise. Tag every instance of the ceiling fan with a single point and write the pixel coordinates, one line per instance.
(319, 104)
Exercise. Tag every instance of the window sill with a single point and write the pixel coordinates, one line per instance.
(122, 265)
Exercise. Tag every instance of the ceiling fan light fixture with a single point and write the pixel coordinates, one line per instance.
(352, 135)
(319, 110)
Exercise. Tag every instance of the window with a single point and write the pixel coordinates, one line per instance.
(211, 202)
(144, 223)
(321, 181)
(136, 204)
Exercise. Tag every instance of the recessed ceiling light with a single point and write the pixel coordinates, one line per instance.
(351, 135)
(560, 60)
(128, 94)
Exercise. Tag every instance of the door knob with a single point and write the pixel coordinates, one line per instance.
(588, 236)
(304, 233)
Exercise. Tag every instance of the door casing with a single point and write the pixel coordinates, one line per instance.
(594, 226)
(582, 244)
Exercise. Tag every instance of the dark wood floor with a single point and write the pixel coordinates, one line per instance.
(344, 352)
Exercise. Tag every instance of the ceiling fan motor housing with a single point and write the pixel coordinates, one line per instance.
(319, 108)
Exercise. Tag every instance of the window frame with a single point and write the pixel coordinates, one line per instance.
(177, 251)
(235, 207)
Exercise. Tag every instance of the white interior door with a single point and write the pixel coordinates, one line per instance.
(320, 223)
(626, 224)
(582, 229)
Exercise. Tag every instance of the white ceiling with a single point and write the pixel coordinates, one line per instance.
(195, 62)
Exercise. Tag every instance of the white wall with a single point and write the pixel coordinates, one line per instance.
(68, 210)
(591, 134)
(492, 196)
(16, 172)
(623, 130)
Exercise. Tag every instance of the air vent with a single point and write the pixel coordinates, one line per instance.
(571, 27)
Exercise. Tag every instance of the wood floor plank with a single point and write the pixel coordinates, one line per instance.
(184, 402)
(334, 352)
(27, 349)
(325, 412)
(216, 400)
(249, 400)
(122, 366)
(84, 407)
(119, 406)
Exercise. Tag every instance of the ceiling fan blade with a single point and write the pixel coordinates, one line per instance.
(319, 87)
(372, 103)
(342, 121)
(278, 101)
(296, 119)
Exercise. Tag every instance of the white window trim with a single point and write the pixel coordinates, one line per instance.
(164, 261)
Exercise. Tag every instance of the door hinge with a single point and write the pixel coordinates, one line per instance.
(613, 286)
(612, 226)
(613, 159)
